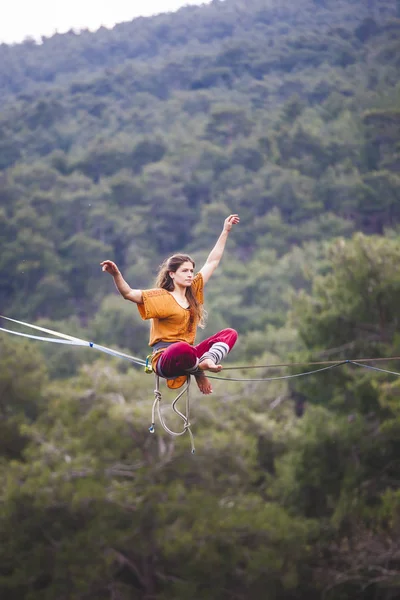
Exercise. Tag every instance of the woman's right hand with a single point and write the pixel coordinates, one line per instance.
(110, 267)
(230, 221)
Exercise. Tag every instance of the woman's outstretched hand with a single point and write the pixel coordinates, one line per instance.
(110, 267)
(230, 221)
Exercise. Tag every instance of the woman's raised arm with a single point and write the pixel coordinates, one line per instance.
(216, 253)
(122, 286)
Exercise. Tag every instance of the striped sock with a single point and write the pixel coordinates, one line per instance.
(217, 353)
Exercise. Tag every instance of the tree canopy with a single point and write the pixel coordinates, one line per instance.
(134, 143)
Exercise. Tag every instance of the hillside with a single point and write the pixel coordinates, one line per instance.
(134, 142)
(189, 31)
(137, 142)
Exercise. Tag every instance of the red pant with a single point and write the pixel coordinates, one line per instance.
(181, 358)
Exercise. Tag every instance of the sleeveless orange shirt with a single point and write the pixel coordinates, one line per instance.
(170, 322)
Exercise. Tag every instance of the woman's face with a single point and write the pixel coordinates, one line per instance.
(183, 276)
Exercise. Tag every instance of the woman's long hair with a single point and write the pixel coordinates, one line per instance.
(165, 281)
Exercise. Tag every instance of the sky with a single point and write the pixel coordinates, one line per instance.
(20, 19)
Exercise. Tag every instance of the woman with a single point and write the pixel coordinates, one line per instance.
(176, 309)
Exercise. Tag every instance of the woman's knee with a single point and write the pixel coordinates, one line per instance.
(230, 336)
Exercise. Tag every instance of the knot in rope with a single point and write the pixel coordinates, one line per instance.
(184, 417)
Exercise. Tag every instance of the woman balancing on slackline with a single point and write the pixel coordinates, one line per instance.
(176, 309)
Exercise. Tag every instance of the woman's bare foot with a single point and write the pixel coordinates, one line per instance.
(203, 383)
(209, 365)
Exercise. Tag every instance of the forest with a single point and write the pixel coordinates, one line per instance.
(136, 142)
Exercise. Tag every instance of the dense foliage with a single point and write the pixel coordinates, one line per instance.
(134, 143)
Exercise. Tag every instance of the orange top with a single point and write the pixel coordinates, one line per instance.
(170, 322)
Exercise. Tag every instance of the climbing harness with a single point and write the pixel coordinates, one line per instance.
(148, 367)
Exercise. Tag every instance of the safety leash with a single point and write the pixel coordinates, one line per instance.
(185, 418)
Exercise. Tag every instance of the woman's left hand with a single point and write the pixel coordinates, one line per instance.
(230, 221)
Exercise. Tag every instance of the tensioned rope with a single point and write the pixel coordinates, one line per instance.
(337, 364)
(74, 341)
(68, 339)
(303, 364)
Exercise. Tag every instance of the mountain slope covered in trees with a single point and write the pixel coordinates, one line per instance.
(134, 143)
(287, 114)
